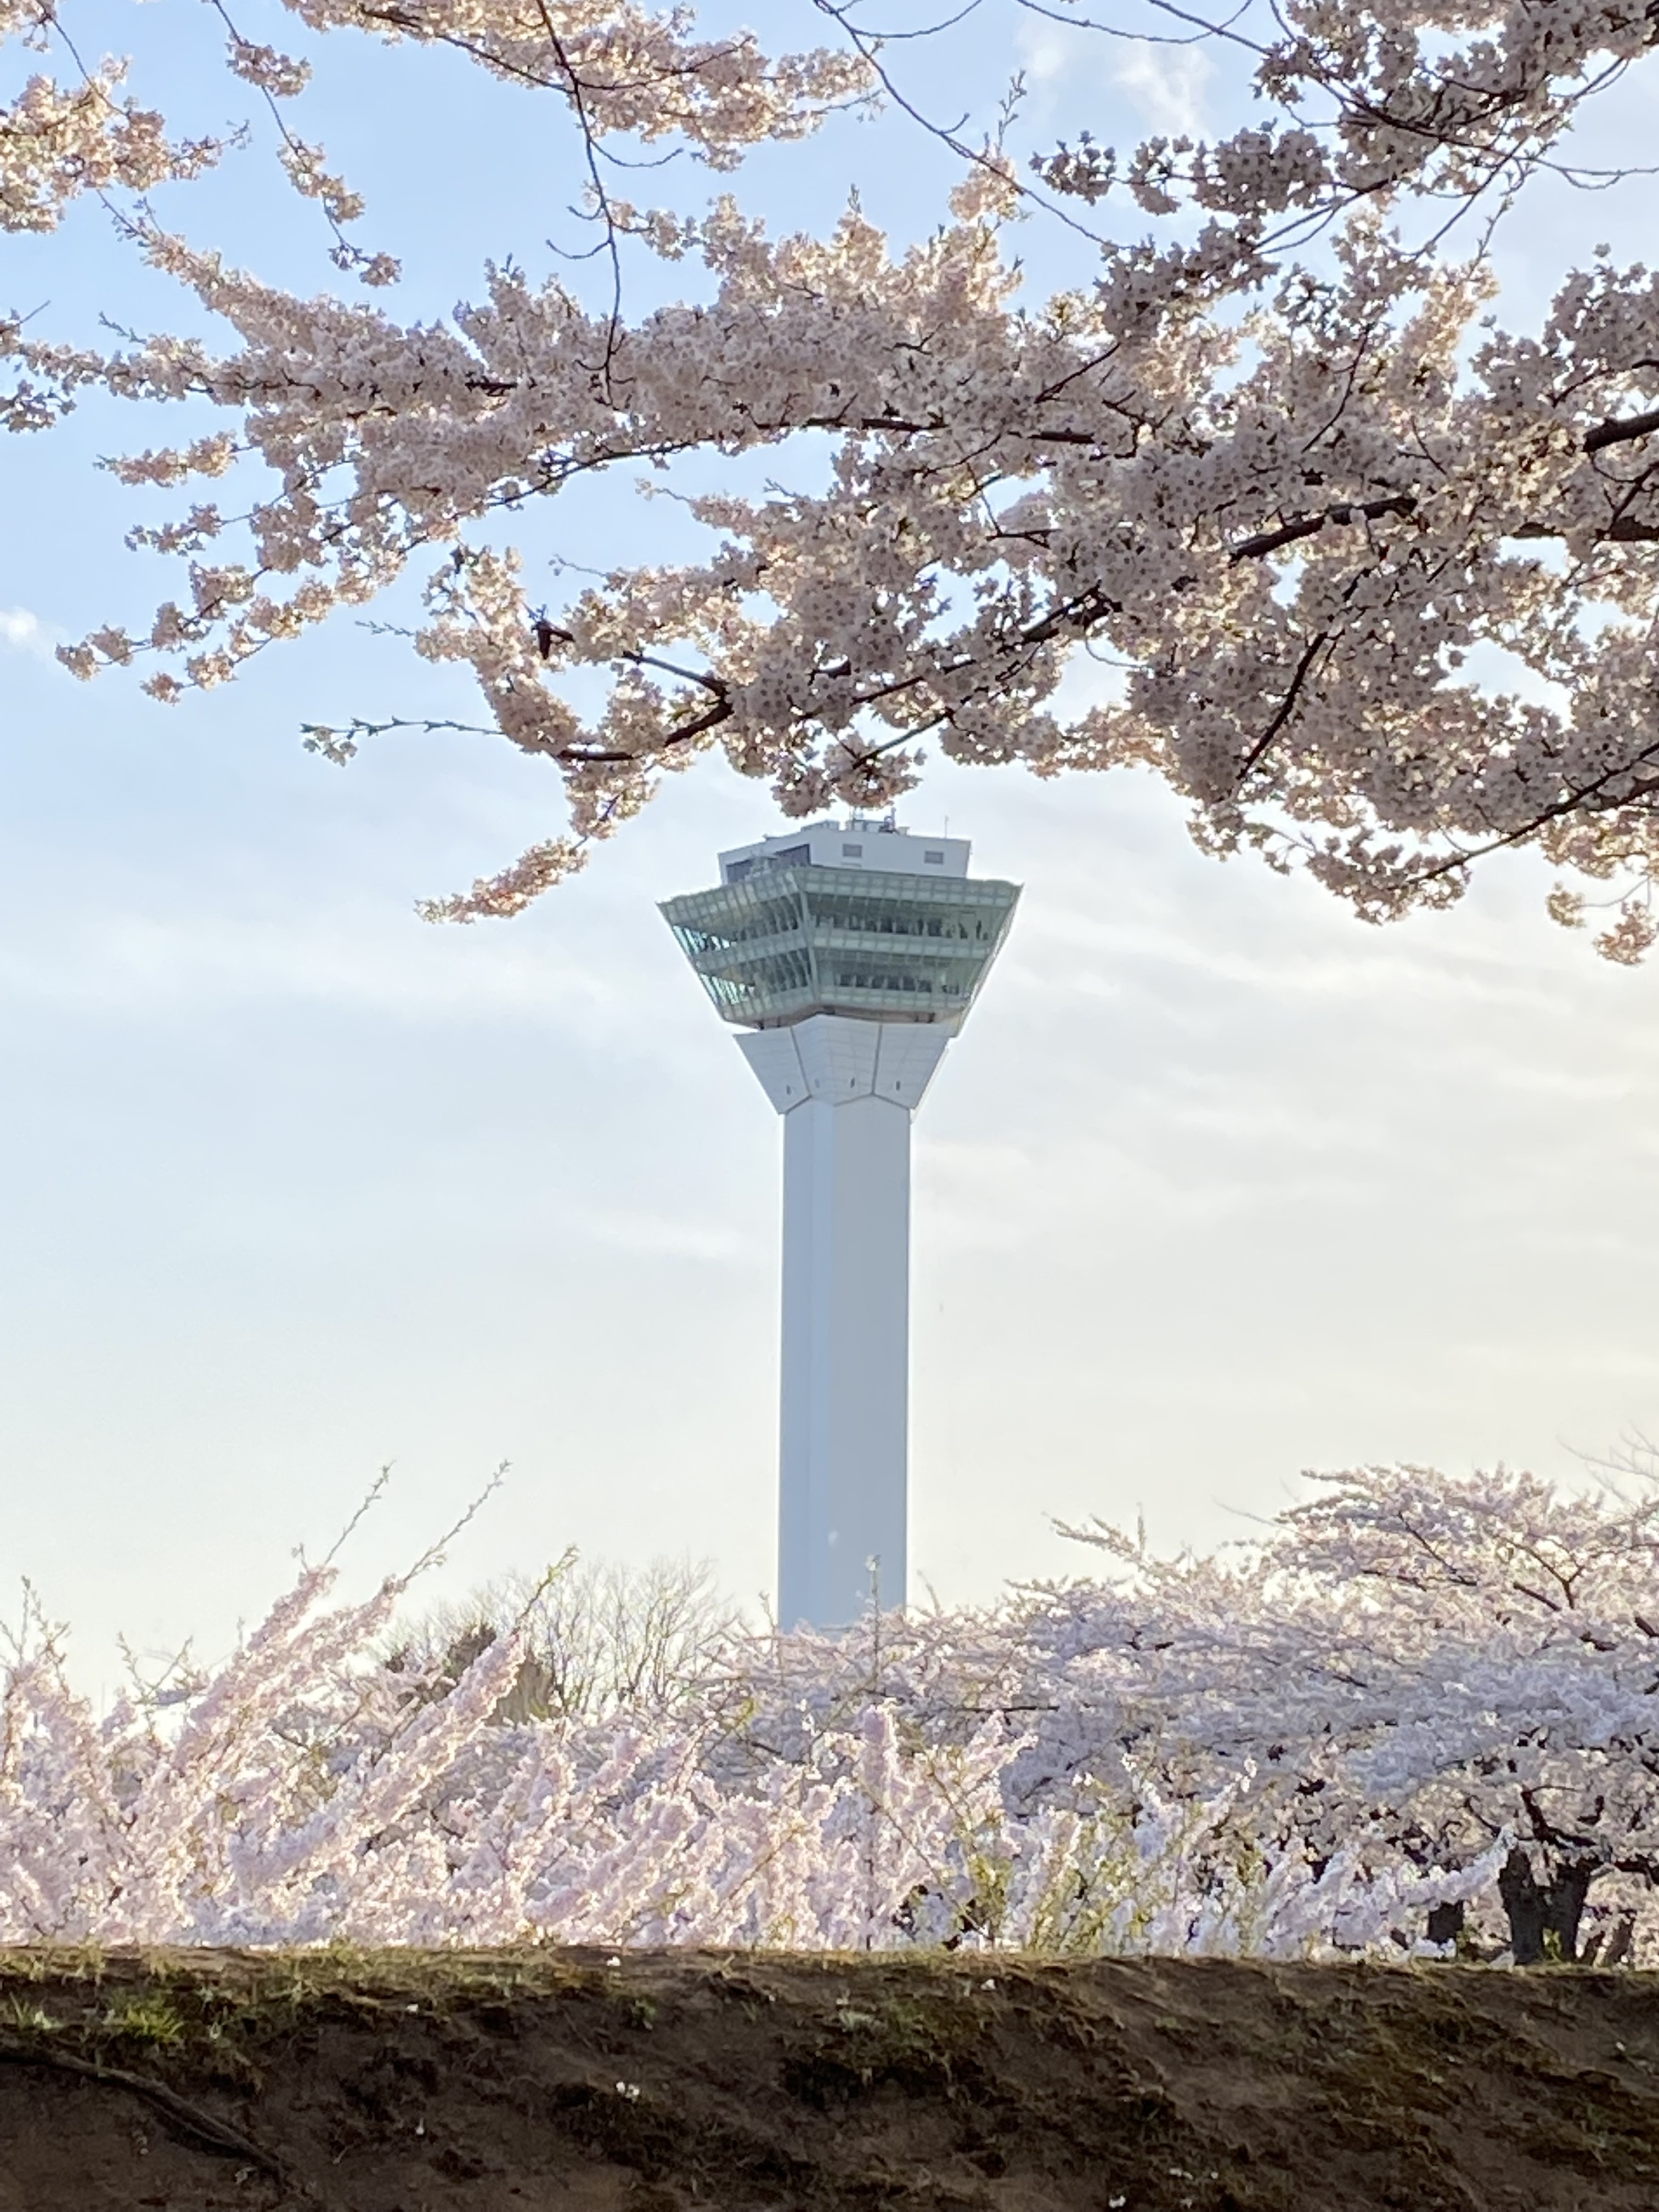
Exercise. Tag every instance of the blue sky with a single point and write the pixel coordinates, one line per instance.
(1217, 1185)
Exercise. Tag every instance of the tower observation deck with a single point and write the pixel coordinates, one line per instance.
(848, 954)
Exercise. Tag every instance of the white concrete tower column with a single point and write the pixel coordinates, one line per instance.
(850, 954)
(846, 1089)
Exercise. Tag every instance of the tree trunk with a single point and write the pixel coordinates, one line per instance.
(1445, 1922)
(1543, 1917)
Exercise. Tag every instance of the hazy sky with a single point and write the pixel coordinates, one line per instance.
(1219, 1183)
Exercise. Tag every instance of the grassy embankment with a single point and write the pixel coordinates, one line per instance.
(489, 2083)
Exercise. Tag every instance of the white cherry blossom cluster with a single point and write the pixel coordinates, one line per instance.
(621, 69)
(62, 137)
(297, 1798)
(282, 76)
(624, 69)
(1416, 1714)
(1268, 464)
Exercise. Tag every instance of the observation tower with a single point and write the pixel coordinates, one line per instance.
(848, 954)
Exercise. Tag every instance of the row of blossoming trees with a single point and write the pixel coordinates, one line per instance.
(1412, 1717)
(1378, 573)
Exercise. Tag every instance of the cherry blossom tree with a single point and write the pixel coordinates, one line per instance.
(1269, 456)
(1411, 1717)
(1447, 1666)
(1404, 1670)
(303, 1794)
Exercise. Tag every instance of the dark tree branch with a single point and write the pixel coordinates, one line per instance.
(1617, 432)
(1286, 706)
(203, 2129)
(1309, 525)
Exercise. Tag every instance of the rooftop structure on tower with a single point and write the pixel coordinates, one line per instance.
(850, 954)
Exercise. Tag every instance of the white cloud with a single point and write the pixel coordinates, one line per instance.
(23, 632)
(364, 953)
(1050, 53)
(1166, 86)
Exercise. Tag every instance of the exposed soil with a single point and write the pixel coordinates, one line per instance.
(415, 2083)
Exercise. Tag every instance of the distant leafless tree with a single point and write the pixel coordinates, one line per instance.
(600, 1638)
